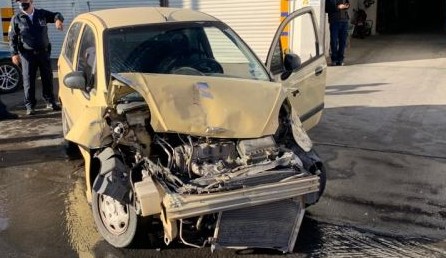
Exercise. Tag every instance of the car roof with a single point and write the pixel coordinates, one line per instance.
(121, 17)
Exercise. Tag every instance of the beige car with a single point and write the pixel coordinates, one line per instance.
(181, 125)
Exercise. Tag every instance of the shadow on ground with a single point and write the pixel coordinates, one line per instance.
(351, 89)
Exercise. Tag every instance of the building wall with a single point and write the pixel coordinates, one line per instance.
(72, 8)
(256, 21)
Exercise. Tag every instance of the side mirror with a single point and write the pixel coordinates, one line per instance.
(75, 80)
(291, 62)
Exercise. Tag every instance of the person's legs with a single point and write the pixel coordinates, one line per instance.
(46, 74)
(334, 43)
(343, 34)
(334, 31)
(29, 70)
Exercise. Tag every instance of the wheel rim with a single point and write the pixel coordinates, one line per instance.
(9, 77)
(114, 215)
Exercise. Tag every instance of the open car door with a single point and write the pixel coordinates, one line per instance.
(296, 58)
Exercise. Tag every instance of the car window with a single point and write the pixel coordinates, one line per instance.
(86, 61)
(302, 38)
(277, 59)
(297, 37)
(71, 40)
(231, 55)
(206, 48)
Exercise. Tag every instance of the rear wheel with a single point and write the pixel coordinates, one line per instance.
(116, 222)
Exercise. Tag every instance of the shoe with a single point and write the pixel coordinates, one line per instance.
(30, 111)
(340, 64)
(8, 115)
(53, 106)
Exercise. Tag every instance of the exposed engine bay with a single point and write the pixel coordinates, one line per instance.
(139, 162)
(197, 164)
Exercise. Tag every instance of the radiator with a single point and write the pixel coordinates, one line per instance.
(274, 225)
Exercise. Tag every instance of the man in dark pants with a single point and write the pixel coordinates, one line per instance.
(29, 43)
(4, 113)
(338, 19)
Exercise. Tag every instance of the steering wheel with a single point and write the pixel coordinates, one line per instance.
(207, 65)
(185, 70)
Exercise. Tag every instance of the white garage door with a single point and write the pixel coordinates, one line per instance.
(70, 9)
(255, 21)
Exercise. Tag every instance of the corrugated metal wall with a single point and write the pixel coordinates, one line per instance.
(71, 8)
(105, 4)
(255, 21)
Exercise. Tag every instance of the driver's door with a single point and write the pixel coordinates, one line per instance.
(298, 34)
(82, 108)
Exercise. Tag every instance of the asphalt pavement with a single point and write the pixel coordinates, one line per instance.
(382, 137)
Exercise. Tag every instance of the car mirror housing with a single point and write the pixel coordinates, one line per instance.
(75, 80)
(291, 62)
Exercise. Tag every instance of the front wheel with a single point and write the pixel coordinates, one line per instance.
(116, 222)
(313, 164)
(313, 198)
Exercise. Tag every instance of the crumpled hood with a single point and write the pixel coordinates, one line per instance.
(207, 106)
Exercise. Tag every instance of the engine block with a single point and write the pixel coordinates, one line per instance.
(205, 158)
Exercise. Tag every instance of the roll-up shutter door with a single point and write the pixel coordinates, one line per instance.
(107, 4)
(70, 9)
(255, 21)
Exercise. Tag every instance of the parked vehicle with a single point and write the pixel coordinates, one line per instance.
(180, 123)
(10, 74)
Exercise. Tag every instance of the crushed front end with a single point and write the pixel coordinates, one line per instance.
(204, 190)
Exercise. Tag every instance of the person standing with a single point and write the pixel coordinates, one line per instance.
(5, 114)
(338, 19)
(30, 45)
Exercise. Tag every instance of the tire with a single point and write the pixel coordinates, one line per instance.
(10, 77)
(323, 181)
(117, 223)
(312, 199)
(313, 164)
(71, 149)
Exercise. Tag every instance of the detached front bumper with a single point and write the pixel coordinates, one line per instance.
(179, 206)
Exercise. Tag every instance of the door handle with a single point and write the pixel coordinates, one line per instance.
(318, 70)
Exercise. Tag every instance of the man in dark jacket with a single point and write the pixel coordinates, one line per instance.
(29, 43)
(338, 19)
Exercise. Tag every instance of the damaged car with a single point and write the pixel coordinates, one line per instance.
(181, 124)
